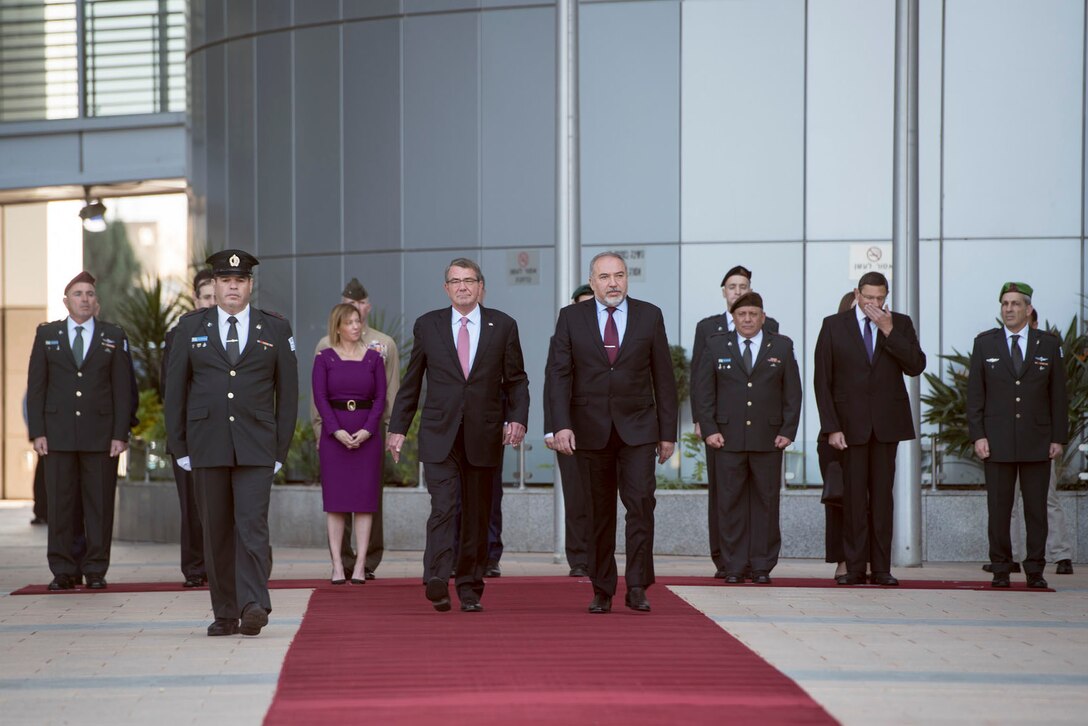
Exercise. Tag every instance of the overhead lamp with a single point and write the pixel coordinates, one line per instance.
(93, 213)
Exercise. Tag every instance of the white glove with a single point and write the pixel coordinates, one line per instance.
(185, 464)
(276, 468)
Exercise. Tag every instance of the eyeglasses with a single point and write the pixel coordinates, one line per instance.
(456, 282)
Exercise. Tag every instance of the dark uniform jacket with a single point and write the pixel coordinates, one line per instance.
(1020, 414)
(748, 410)
(637, 393)
(716, 325)
(79, 409)
(859, 398)
(223, 415)
(496, 390)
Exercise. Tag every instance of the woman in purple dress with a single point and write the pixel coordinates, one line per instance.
(349, 392)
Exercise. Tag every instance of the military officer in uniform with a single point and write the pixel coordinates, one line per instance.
(231, 403)
(746, 395)
(736, 282)
(78, 410)
(1017, 415)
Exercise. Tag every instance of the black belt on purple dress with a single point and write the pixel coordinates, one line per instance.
(352, 404)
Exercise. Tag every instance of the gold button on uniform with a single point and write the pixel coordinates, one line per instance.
(77, 413)
(749, 384)
(749, 423)
(1018, 383)
(1017, 415)
(231, 418)
(234, 373)
(79, 393)
(749, 403)
(230, 395)
(79, 374)
(1018, 399)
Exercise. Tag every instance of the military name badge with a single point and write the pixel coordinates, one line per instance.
(291, 342)
(1042, 361)
(199, 341)
(52, 344)
(724, 363)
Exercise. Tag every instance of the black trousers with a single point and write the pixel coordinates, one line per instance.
(833, 548)
(375, 546)
(75, 479)
(576, 512)
(749, 493)
(450, 481)
(494, 520)
(41, 499)
(712, 524)
(1034, 484)
(868, 476)
(192, 532)
(233, 505)
(628, 470)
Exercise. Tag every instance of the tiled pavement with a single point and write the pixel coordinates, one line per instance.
(869, 656)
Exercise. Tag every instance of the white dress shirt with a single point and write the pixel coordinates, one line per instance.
(620, 316)
(473, 331)
(88, 332)
(243, 327)
(863, 320)
(1023, 342)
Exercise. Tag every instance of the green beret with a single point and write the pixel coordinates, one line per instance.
(1021, 287)
(580, 291)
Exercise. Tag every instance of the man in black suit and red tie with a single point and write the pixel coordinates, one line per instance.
(613, 404)
(477, 402)
(862, 355)
(746, 395)
(1017, 415)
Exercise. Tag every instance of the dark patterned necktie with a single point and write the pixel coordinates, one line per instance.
(233, 351)
(747, 355)
(869, 347)
(1017, 356)
(77, 347)
(611, 336)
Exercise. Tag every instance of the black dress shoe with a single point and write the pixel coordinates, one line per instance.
(1001, 579)
(61, 582)
(254, 617)
(223, 626)
(194, 581)
(1014, 567)
(1065, 567)
(601, 604)
(578, 571)
(761, 578)
(883, 578)
(357, 581)
(96, 582)
(369, 574)
(850, 579)
(1037, 582)
(38, 520)
(438, 592)
(471, 606)
(636, 599)
(734, 579)
(492, 570)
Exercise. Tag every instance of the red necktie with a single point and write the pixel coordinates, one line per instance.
(463, 346)
(611, 336)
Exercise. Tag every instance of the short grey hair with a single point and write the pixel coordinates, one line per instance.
(601, 255)
(466, 263)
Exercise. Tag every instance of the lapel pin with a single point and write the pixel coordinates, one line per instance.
(258, 326)
(491, 325)
(208, 324)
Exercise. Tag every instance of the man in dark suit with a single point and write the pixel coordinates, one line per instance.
(231, 403)
(192, 532)
(746, 394)
(613, 401)
(471, 356)
(1017, 415)
(737, 282)
(78, 408)
(861, 357)
(575, 491)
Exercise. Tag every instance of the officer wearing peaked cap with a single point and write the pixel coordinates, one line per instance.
(78, 407)
(231, 403)
(1017, 417)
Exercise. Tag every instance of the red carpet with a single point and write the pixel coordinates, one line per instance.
(380, 654)
(980, 585)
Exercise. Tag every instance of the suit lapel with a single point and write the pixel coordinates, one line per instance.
(1006, 355)
(443, 321)
(1032, 348)
(764, 348)
(211, 329)
(487, 334)
(589, 317)
(256, 326)
(65, 345)
(850, 317)
(93, 343)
